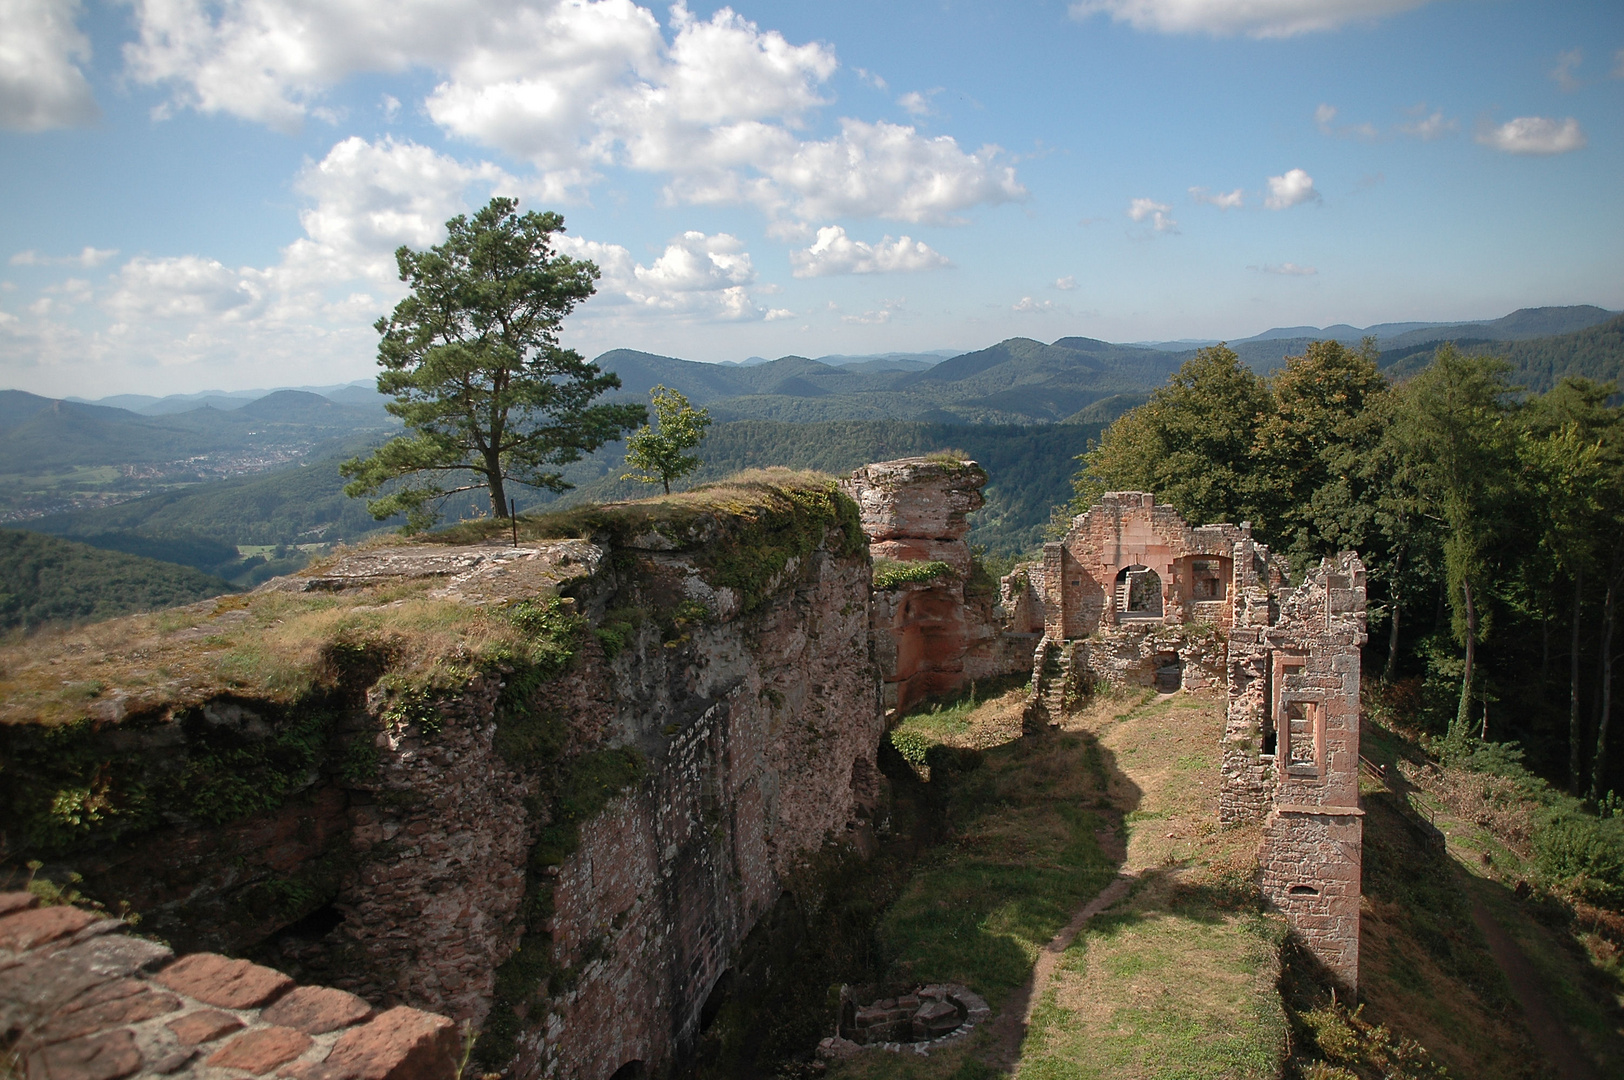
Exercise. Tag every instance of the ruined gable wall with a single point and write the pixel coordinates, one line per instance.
(1129, 528)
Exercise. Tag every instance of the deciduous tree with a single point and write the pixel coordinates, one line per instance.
(658, 452)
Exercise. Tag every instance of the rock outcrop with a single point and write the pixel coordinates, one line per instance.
(937, 624)
(547, 789)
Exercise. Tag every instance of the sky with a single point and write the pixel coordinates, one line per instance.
(207, 194)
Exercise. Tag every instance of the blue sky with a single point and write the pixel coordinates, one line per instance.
(206, 193)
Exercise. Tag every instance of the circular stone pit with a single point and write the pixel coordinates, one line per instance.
(925, 1019)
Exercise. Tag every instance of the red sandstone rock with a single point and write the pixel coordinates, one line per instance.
(203, 1026)
(261, 1050)
(316, 1010)
(16, 901)
(135, 1004)
(101, 1057)
(36, 926)
(230, 984)
(401, 1044)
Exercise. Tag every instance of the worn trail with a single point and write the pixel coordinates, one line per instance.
(1558, 1047)
(1009, 1029)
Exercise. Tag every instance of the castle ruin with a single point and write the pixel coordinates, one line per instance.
(1135, 596)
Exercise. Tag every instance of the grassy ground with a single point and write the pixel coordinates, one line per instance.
(1179, 979)
(1427, 968)
(1175, 980)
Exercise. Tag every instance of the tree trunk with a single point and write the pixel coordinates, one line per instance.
(493, 480)
(1575, 728)
(1391, 668)
(1544, 650)
(1463, 714)
(1598, 772)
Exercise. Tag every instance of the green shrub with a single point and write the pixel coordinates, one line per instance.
(890, 574)
(911, 745)
(1583, 855)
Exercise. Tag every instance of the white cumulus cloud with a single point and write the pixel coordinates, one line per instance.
(1428, 126)
(916, 104)
(1566, 64)
(836, 253)
(575, 86)
(1066, 284)
(1256, 18)
(1223, 200)
(699, 276)
(1027, 305)
(1533, 135)
(1292, 189)
(88, 257)
(878, 317)
(1159, 214)
(42, 84)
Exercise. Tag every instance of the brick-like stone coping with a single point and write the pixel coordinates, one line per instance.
(81, 999)
(975, 1011)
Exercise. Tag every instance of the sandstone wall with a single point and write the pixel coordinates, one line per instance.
(459, 854)
(1291, 746)
(760, 732)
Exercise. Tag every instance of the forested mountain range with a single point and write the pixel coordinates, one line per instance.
(45, 579)
(237, 491)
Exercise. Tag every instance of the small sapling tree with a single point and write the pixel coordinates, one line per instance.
(471, 357)
(658, 452)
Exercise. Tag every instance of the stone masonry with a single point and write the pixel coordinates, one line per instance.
(932, 637)
(757, 725)
(1291, 750)
(85, 1001)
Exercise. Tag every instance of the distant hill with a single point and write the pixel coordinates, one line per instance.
(1596, 352)
(46, 579)
(203, 525)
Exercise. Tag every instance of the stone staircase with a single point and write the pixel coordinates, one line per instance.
(1053, 677)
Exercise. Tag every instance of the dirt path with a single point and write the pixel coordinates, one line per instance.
(1549, 1035)
(1009, 1028)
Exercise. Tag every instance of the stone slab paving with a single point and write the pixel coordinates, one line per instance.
(80, 999)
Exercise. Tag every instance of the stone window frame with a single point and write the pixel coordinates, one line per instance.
(1279, 661)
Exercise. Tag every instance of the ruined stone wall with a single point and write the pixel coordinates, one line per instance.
(1128, 528)
(1291, 746)
(82, 1000)
(761, 734)
(412, 865)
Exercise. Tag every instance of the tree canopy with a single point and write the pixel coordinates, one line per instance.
(472, 359)
(1491, 521)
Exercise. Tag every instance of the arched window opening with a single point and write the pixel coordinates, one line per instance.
(1139, 593)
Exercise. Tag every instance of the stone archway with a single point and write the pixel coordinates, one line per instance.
(1138, 593)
